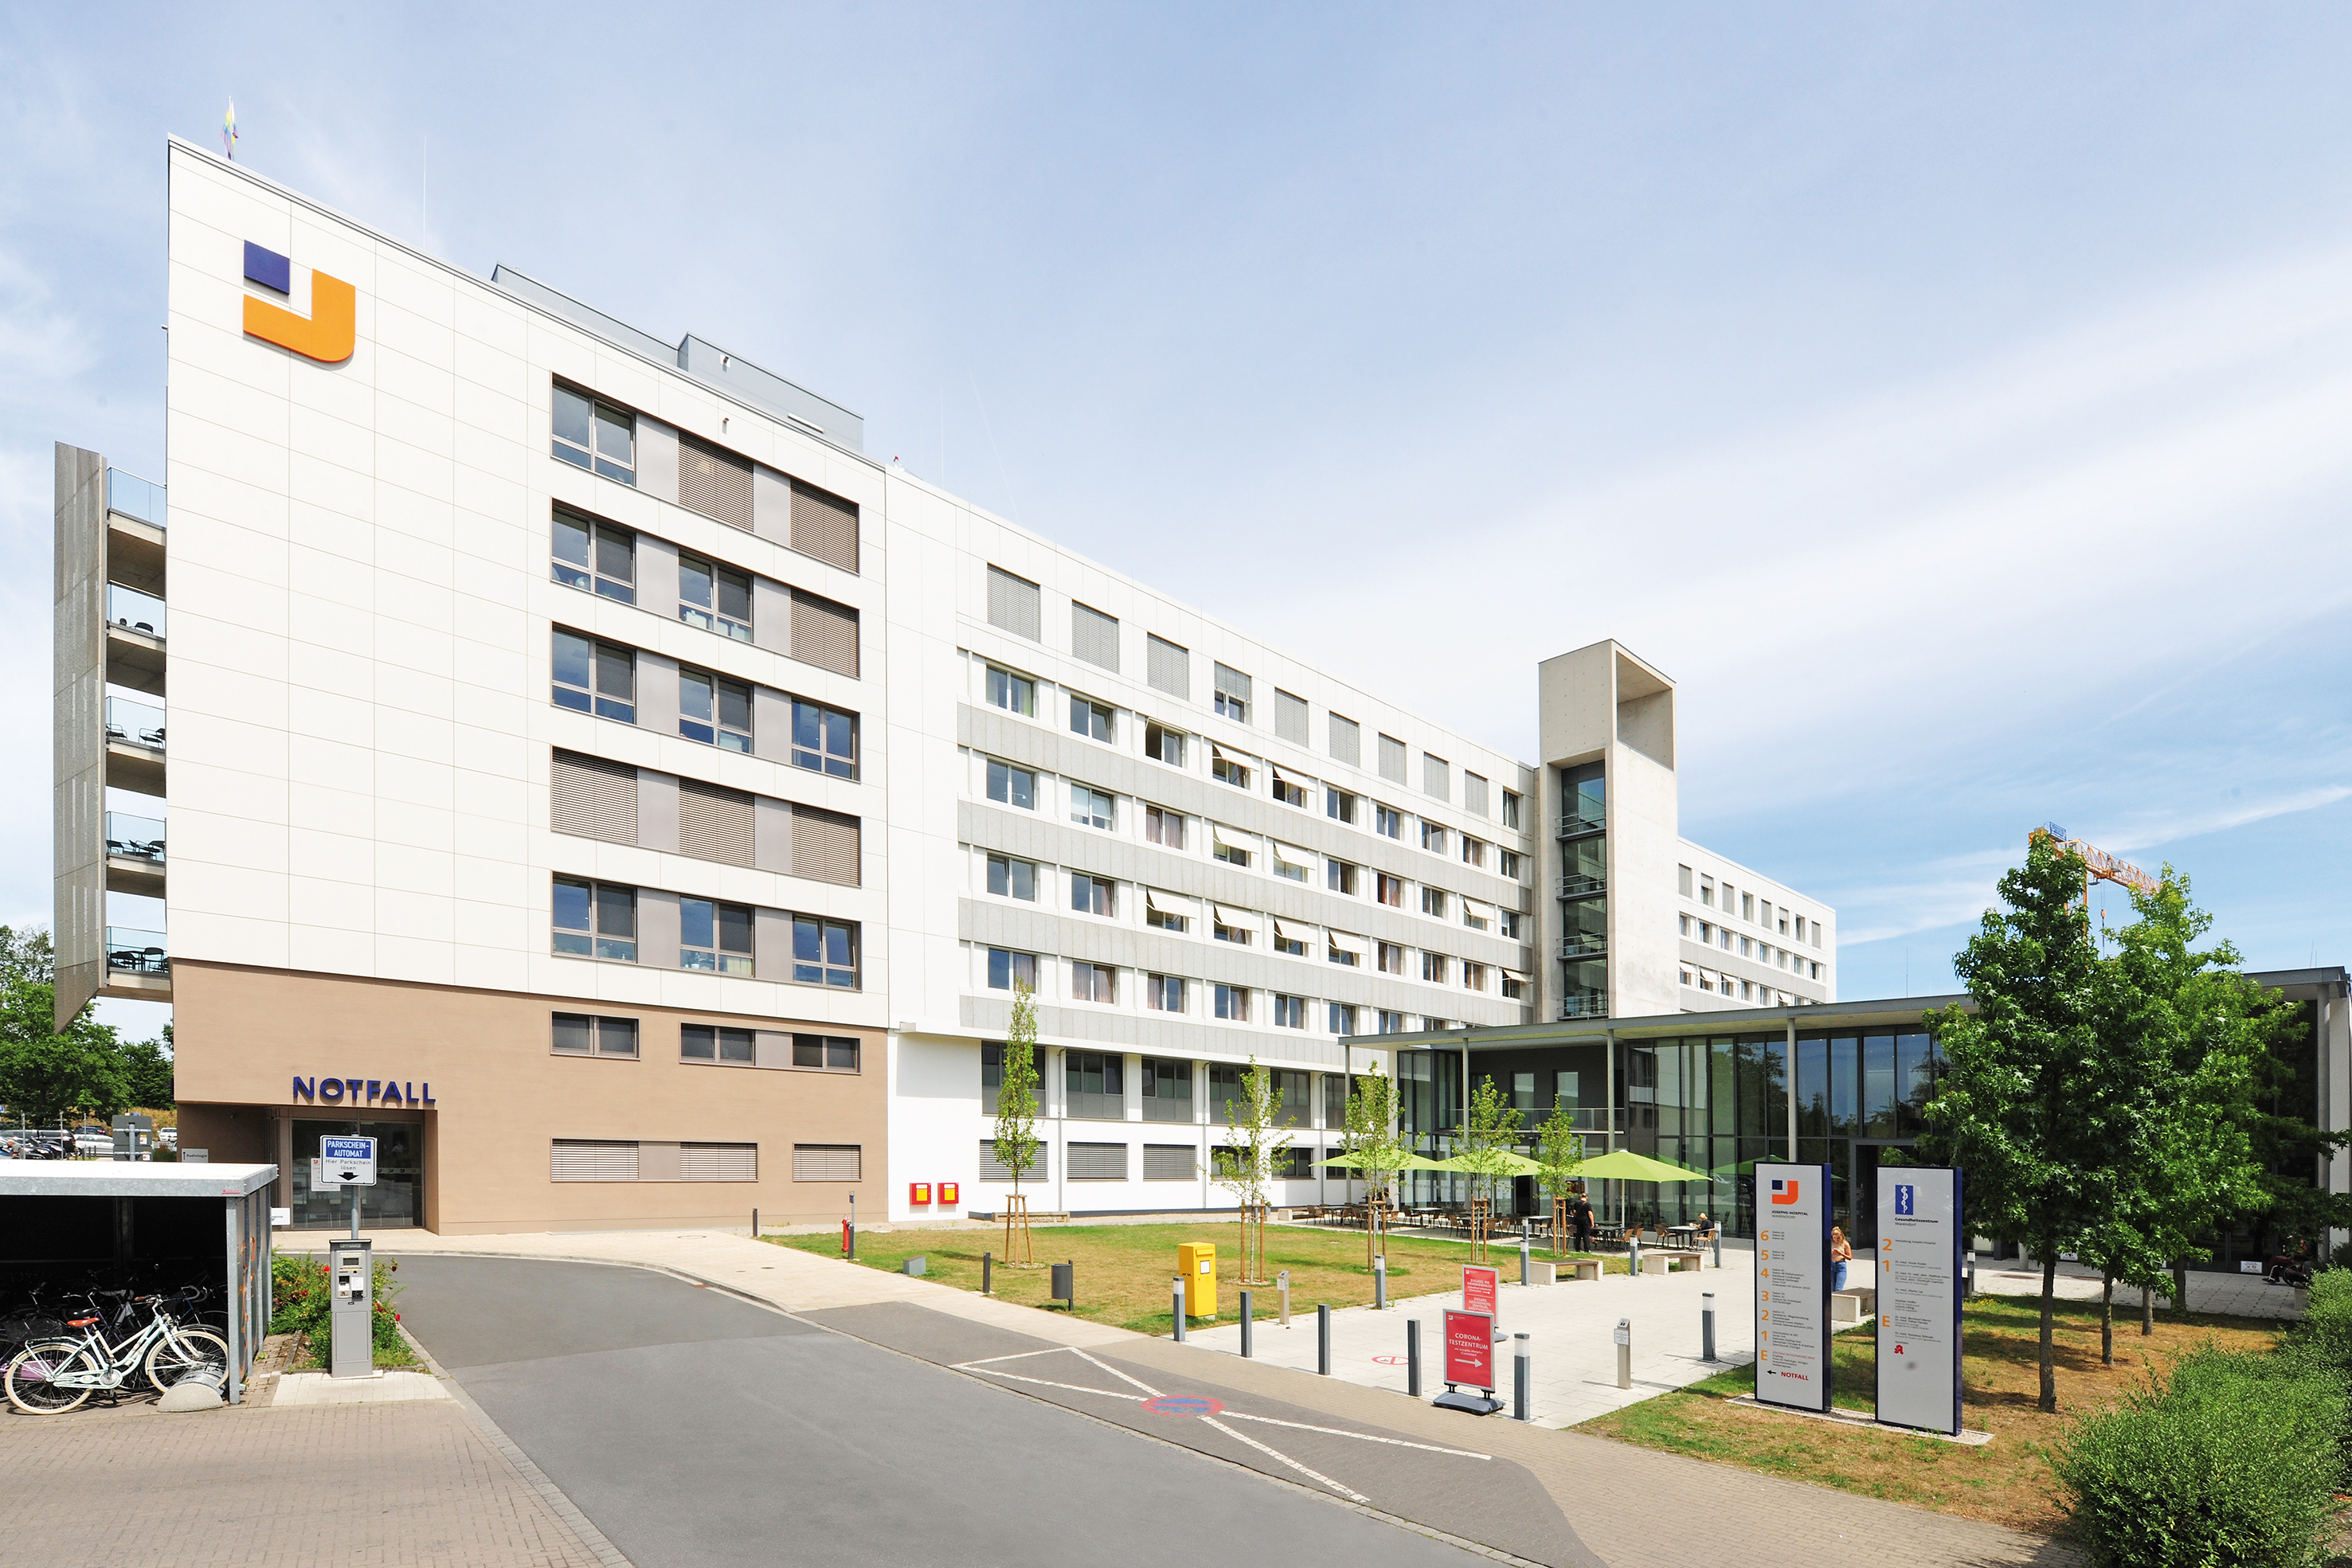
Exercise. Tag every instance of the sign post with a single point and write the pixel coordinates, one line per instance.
(1919, 1265)
(1792, 1285)
(345, 1162)
(1469, 1364)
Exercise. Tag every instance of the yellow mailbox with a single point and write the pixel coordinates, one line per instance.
(1196, 1265)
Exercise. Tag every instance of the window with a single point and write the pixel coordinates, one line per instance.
(1097, 1161)
(833, 1162)
(1163, 826)
(1347, 741)
(595, 677)
(1392, 755)
(1339, 805)
(1683, 880)
(1784, 920)
(824, 526)
(825, 952)
(577, 1034)
(1290, 862)
(1094, 983)
(992, 1084)
(1435, 778)
(1387, 823)
(1723, 936)
(825, 1053)
(592, 1159)
(1474, 977)
(1392, 958)
(1233, 699)
(1432, 967)
(715, 711)
(714, 936)
(1685, 923)
(1764, 911)
(1170, 1162)
(1289, 791)
(1091, 719)
(1097, 1085)
(1008, 970)
(1288, 940)
(1157, 914)
(592, 796)
(1090, 894)
(595, 920)
(1290, 716)
(1167, 1097)
(1509, 921)
(715, 597)
(705, 1042)
(714, 481)
(1011, 878)
(1747, 907)
(1514, 985)
(1089, 807)
(1233, 1003)
(1013, 786)
(715, 823)
(1433, 838)
(1015, 604)
(1338, 876)
(1163, 994)
(1228, 767)
(1233, 851)
(594, 434)
(1508, 863)
(1391, 1023)
(1226, 926)
(1474, 851)
(1014, 693)
(824, 634)
(1342, 1019)
(1168, 667)
(1510, 808)
(595, 556)
(1289, 1012)
(1348, 951)
(1432, 902)
(994, 1169)
(1686, 977)
(1707, 891)
(824, 739)
(1389, 889)
(1800, 929)
(1476, 916)
(1094, 636)
(1162, 744)
(1474, 793)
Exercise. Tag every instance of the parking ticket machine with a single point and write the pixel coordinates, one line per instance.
(351, 1311)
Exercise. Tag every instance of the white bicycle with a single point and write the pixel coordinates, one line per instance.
(51, 1376)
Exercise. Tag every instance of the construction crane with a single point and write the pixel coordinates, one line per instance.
(2097, 863)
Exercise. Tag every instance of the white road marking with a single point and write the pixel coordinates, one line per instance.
(1285, 1458)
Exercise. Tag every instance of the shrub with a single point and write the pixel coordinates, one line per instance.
(2232, 1461)
(299, 1301)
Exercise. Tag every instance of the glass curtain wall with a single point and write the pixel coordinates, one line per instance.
(1583, 893)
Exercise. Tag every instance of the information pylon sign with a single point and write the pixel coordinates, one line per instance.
(1792, 1285)
(1919, 1255)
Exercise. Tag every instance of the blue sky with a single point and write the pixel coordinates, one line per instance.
(1953, 400)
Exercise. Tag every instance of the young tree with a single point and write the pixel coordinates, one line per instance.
(1016, 1116)
(1487, 1138)
(1559, 1150)
(147, 1082)
(1245, 1165)
(2038, 1104)
(46, 1074)
(1373, 1141)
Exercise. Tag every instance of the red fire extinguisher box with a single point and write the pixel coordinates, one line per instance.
(919, 1192)
(946, 1192)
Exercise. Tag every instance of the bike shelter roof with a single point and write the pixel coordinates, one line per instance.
(130, 1178)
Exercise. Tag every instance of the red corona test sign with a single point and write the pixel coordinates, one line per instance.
(1470, 1349)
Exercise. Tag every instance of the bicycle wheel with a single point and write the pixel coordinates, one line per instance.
(185, 1350)
(29, 1374)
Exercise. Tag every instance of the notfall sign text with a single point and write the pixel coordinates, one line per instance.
(325, 1090)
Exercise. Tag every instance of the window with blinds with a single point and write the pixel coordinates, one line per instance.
(1435, 779)
(992, 1169)
(824, 526)
(592, 1159)
(720, 1162)
(824, 634)
(713, 481)
(1474, 793)
(824, 845)
(1289, 717)
(715, 823)
(1392, 755)
(1015, 604)
(1347, 741)
(594, 797)
(1232, 683)
(1168, 667)
(826, 1162)
(1169, 1162)
(1094, 636)
(1097, 1161)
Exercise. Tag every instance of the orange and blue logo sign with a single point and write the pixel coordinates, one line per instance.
(1784, 1192)
(327, 334)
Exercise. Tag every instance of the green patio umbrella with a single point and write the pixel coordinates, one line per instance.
(1344, 1162)
(1624, 1165)
(1514, 1164)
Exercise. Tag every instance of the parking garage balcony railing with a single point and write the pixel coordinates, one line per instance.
(1580, 886)
(1584, 1004)
(134, 837)
(135, 724)
(138, 612)
(1583, 947)
(134, 497)
(137, 952)
(1582, 824)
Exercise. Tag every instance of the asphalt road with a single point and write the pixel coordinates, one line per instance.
(695, 1428)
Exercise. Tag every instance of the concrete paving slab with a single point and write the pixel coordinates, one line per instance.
(390, 1386)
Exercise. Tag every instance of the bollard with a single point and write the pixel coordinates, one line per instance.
(1718, 1248)
(1625, 1353)
(1969, 1280)
(1413, 1356)
(755, 1225)
(1380, 1283)
(1525, 1268)
(852, 1223)
(1707, 1325)
(1323, 1340)
(1282, 1280)
(1180, 1309)
(1523, 1377)
(1633, 1245)
(1246, 1350)
(986, 1259)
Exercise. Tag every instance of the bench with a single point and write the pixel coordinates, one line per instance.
(1583, 1268)
(1669, 1258)
(1854, 1306)
(1540, 1272)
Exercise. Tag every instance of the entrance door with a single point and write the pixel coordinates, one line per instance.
(396, 1200)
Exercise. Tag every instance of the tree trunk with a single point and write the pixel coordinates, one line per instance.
(2048, 1401)
(2106, 1320)
(2180, 1289)
(2148, 1309)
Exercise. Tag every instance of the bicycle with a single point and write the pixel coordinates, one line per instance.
(51, 1376)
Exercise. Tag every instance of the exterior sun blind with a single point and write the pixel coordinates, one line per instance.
(1169, 1162)
(594, 797)
(1435, 779)
(1169, 667)
(1392, 755)
(1289, 717)
(1347, 741)
(1015, 604)
(1473, 794)
(824, 526)
(1232, 683)
(992, 1169)
(713, 481)
(826, 1162)
(592, 1159)
(718, 1162)
(1097, 1161)
(715, 823)
(824, 634)
(1094, 636)
(825, 845)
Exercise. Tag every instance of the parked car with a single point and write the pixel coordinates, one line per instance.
(168, 1136)
(93, 1141)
